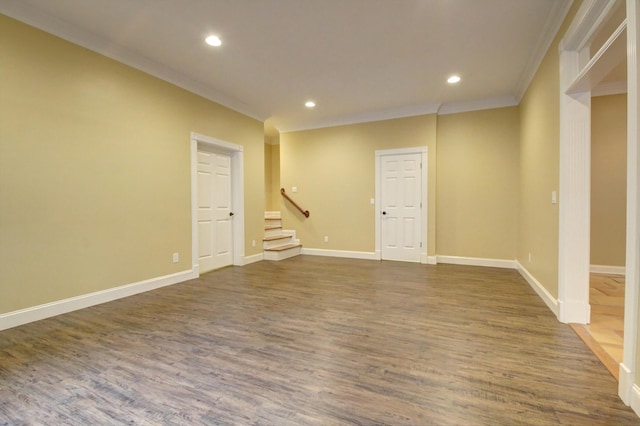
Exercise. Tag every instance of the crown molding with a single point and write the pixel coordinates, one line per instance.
(481, 104)
(105, 47)
(551, 27)
(389, 114)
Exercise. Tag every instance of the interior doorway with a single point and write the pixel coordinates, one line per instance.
(401, 204)
(231, 246)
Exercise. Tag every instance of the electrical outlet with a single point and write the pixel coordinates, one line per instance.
(326, 239)
(176, 257)
(253, 243)
(529, 257)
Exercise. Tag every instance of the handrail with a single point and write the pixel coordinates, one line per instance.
(304, 212)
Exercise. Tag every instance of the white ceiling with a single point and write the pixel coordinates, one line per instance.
(359, 60)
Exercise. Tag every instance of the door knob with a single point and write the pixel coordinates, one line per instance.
(384, 213)
(230, 213)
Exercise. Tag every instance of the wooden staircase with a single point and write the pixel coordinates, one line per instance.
(278, 243)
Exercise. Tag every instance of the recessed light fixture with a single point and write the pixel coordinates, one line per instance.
(309, 104)
(213, 41)
(453, 79)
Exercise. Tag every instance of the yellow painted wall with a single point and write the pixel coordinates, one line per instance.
(477, 202)
(334, 171)
(608, 179)
(540, 168)
(94, 170)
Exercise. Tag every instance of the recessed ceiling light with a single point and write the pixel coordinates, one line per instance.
(309, 104)
(453, 79)
(213, 41)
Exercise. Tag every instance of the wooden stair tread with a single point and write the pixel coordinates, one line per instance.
(284, 247)
(268, 227)
(276, 237)
(272, 218)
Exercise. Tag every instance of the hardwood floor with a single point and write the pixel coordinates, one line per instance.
(605, 334)
(311, 341)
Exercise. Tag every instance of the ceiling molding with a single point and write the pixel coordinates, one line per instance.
(548, 33)
(588, 19)
(482, 104)
(73, 34)
(364, 118)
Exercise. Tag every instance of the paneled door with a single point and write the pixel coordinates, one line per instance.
(215, 230)
(401, 204)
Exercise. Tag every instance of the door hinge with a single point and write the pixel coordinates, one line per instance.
(420, 244)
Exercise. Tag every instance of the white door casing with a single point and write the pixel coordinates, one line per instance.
(215, 231)
(401, 208)
(236, 175)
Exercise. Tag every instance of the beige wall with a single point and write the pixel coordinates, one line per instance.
(94, 170)
(334, 171)
(608, 179)
(477, 184)
(540, 168)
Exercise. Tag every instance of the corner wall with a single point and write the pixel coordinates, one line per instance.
(95, 170)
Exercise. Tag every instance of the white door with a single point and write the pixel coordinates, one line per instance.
(215, 217)
(401, 204)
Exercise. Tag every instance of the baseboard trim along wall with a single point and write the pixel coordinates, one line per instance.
(606, 269)
(635, 399)
(477, 261)
(341, 253)
(542, 292)
(36, 313)
(253, 259)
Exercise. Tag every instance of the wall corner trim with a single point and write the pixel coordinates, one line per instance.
(47, 310)
(627, 391)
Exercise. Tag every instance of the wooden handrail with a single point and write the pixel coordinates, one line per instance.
(304, 212)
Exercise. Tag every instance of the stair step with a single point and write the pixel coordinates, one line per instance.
(267, 227)
(284, 247)
(272, 218)
(276, 237)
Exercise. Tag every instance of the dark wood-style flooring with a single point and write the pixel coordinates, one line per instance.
(311, 341)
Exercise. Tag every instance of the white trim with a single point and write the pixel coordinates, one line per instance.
(364, 117)
(609, 88)
(625, 384)
(107, 47)
(47, 310)
(481, 104)
(632, 262)
(548, 32)
(366, 255)
(547, 298)
(432, 260)
(237, 193)
(635, 399)
(477, 261)
(424, 217)
(253, 259)
(606, 269)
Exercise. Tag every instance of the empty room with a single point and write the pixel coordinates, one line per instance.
(296, 212)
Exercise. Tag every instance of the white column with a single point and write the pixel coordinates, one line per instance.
(630, 392)
(574, 196)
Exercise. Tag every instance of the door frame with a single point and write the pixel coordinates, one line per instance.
(423, 151)
(236, 152)
(575, 144)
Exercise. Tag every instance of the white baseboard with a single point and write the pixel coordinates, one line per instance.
(47, 310)
(625, 386)
(547, 298)
(477, 261)
(341, 253)
(605, 269)
(635, 399)
(252, 259)
(431, 260)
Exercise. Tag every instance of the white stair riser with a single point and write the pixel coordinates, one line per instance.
(277, 243)
(281, 255)
(272, 232)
